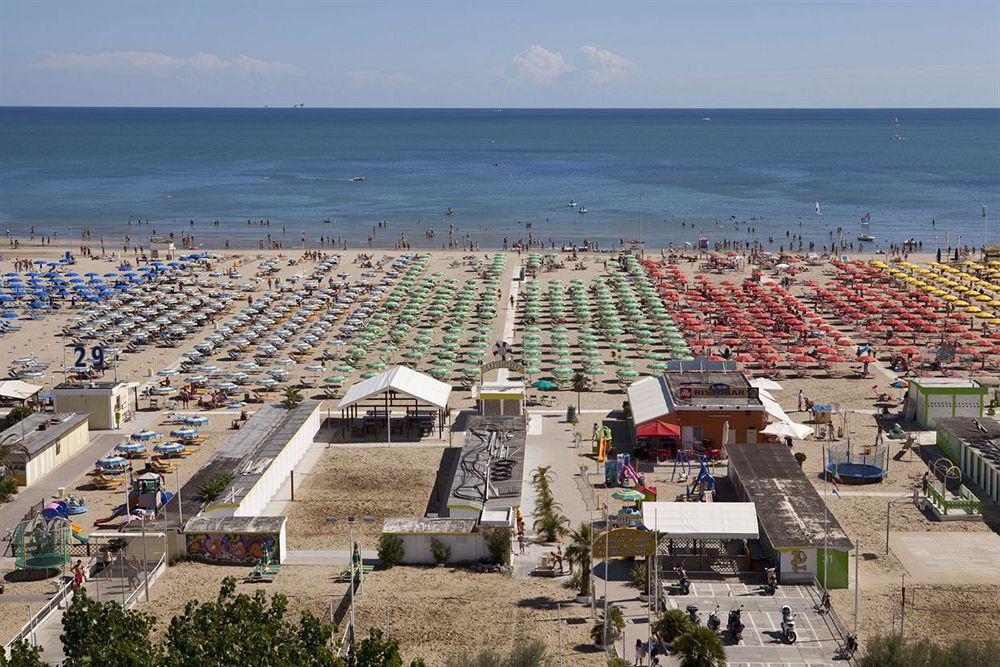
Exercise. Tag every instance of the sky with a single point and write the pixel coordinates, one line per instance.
(501, 54)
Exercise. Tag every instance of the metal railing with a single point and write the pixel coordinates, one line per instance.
(64, 591)
(838, 625)
(148, 580)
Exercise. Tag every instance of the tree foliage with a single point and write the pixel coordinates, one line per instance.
(103, 633)
(292, 398)
(245, 629)
(16, 414)
(671, 624)
(700, 647)
(894, 651)
(22, 654)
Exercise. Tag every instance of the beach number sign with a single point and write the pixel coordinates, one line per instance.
(96, 356)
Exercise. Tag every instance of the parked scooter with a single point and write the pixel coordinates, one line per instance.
(692, 610)
(771, 586)
(713, 622)
(735, 624)
(850, 647)
(788, 625)
(683, 584)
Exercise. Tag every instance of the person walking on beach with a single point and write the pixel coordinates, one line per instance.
(78, 574)
(640, 652)
(802, 400)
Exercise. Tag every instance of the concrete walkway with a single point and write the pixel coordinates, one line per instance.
(509, 318)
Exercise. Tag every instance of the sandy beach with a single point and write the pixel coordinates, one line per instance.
(435, 611)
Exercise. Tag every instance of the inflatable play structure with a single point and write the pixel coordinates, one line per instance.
(144, 501)
(41, 540)
(619, 472)
(603, 443)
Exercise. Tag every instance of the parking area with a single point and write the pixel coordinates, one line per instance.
(818, 640)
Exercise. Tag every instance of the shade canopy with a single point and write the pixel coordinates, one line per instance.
(788, 429)
(658, 429)
(402, 380)
(18, 389)
(648, 399)
(705, 521)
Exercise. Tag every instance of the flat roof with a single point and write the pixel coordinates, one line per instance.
(235, 524)
(944, 382)
(468, 481)
(792, 512)
(69, 386)
(397, 525)
(36, 441)
(721, 521)
(981, 434)
(249, 453)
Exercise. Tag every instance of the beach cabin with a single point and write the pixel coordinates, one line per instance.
(973, 444)
(503, 399)
(107, 403)
(931, 399)
(797, 529)
(43, 441)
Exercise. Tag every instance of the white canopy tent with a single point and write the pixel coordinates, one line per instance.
(702, 521)
(399, 380)
(18, 389)
(788, 429)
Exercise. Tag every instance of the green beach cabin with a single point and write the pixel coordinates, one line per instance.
(930, 399)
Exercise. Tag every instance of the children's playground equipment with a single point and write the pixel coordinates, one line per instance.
(703, 487)
(854, 464)
(946, 496)
(619, 472)
(603, 436)
(42, 539)
(145, 499)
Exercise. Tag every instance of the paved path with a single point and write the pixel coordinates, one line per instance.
(949, 558)
(510, 315)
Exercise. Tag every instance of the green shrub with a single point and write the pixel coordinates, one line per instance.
(893, 651)
(214, 487)
(700, 647)
(8, 487)
(800, 457)
(440, 551)
(639, 577)
(16, 414)
(498, 542)
(616, 623)
(391, 550)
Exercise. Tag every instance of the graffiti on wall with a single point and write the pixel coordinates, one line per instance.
(231, 547)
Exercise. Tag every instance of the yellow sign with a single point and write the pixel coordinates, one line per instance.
(624, 542)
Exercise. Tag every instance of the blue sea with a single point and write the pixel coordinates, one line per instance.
(667, 175)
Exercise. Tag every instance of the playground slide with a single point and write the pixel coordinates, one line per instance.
(78, 533)
(630, 473)
(115, 513)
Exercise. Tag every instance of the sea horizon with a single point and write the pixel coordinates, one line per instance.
(679, 173)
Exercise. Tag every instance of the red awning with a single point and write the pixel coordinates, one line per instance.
(658, 429)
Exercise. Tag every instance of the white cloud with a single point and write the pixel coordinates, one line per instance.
(606, 66)
(198, 68)
(541, 65)
(378, 77)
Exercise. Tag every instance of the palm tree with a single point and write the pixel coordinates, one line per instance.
(700, 647)
(546, 504)
(639, 577)
(578, 553)
(672, 624)
(550, 526)
(541, 478)
(579, 385)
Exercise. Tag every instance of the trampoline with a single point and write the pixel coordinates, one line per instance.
(852, 464)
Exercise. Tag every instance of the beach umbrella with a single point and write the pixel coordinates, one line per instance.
(111, 462)
(195, 420)
(628, 494)
(130, 447)
(184, 433)
(544, 385)
(144, 435)
(169, 448)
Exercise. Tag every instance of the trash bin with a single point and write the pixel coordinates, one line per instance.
(571, 414)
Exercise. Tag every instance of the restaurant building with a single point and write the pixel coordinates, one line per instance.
(697, 403)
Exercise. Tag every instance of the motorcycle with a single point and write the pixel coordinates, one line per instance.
(735, 624)
(771, 586)
(850, 647)
(692, 610)
(788, 625)
(713, 620)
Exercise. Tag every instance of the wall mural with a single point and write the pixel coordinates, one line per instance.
(231, 547)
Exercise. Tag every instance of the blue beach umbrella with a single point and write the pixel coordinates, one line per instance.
(130, 447)
(111, 462)
(169, 448)
(144, 435)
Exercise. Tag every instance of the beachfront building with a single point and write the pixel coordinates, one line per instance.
(797, 531)
(42, 441)
(696, 404)
(931, 399)
(109, 404)
(260, 457)
(973, 444)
